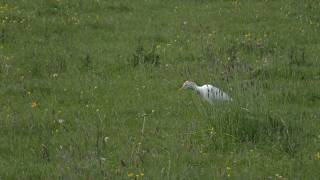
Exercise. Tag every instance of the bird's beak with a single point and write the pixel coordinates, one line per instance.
(180, 88)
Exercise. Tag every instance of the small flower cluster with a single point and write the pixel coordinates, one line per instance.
(34, 104)
(228, 171)
(278, 176)
(6, 7)
(317, 156)
(131, 174)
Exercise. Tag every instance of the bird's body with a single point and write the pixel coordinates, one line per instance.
(207, 92)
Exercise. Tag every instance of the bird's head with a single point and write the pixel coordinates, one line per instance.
(188, 85)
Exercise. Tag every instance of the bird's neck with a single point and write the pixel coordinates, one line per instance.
(194, 87)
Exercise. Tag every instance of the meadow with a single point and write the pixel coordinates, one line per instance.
(89, 89)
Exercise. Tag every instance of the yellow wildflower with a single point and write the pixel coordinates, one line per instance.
(317, 156)
(141, 174)
(130, 174)
(248, 35)
(34, 104)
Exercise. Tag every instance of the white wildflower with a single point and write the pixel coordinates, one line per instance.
(60, 121)
(106, 139)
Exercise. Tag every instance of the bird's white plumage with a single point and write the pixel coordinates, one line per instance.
(207, 92)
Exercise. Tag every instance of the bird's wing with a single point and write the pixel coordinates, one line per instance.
(211, 93)
(217, 93)
(204, 92)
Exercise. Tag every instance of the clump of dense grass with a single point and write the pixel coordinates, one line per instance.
(142, 57)
(82, 99)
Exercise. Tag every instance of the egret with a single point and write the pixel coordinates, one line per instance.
(207, 92)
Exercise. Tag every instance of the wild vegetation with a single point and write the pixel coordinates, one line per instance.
(89, 89)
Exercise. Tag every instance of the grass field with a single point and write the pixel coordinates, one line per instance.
(89, 89)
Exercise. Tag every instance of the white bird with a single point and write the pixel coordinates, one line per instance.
(207, 92)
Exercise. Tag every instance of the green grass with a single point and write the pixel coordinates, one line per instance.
(95, 69)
